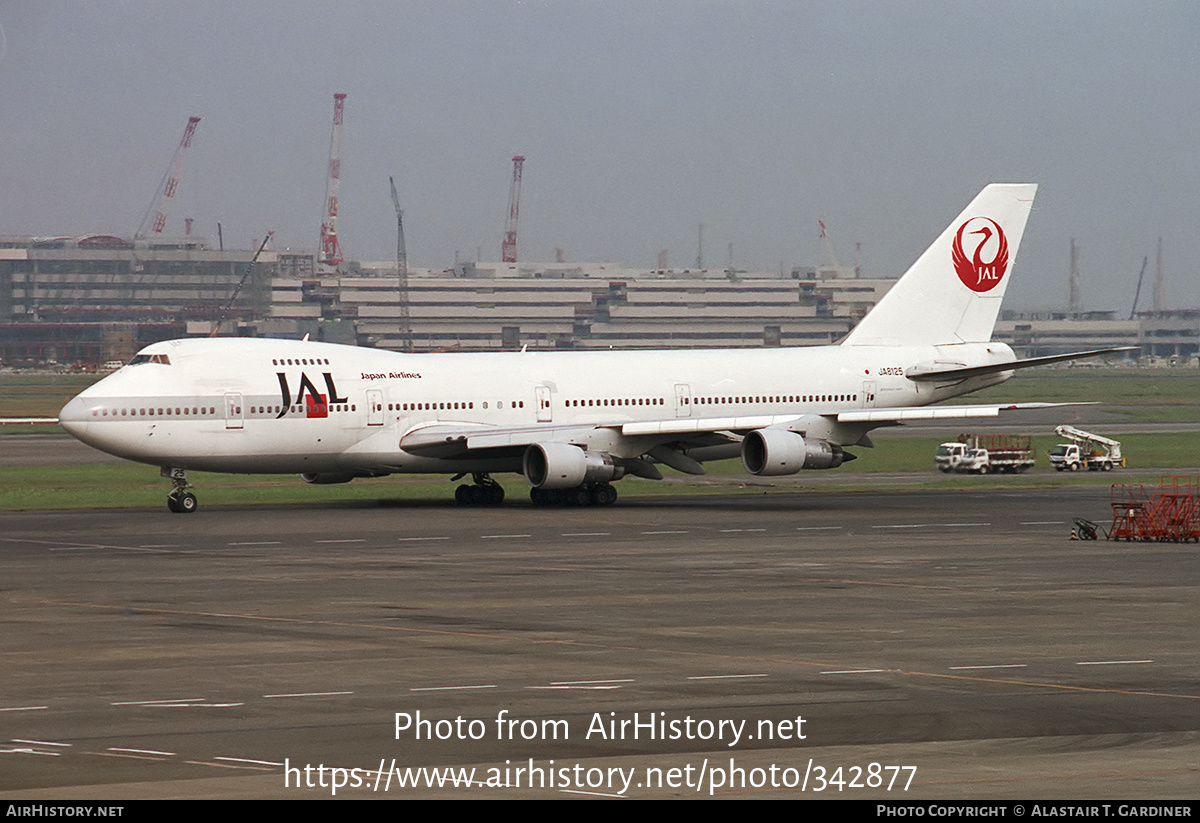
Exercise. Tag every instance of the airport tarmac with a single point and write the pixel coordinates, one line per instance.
(903, 645)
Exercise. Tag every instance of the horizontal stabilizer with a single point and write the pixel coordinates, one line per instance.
(962, 372)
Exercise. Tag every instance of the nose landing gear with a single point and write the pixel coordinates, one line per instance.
(180, 500)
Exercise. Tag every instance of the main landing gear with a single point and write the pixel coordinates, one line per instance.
(483, 492)
(180, 500)
(593, 494)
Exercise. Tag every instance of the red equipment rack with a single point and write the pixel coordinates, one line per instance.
(1171, 513)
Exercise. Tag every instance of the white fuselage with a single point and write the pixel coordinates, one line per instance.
(263, 405)
(571, 422)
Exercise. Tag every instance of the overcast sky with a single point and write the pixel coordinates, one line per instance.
(639, 120)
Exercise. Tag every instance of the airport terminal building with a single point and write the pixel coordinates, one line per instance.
(96, 299)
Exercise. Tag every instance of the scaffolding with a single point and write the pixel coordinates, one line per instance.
(1170, 514)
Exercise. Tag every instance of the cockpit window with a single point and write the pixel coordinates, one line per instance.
(139, 359)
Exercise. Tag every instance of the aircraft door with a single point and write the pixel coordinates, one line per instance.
(545, 413)
(868, 394)
(374, 407)
(683, 400)
(234, 413)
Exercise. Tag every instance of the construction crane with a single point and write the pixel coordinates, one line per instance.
(238, 289)
(1138, 292)
(1159, 283)
(508, 246)
(329, 251)
(1074, 290)
(401, 252)
(401, 270)
(161, 206)
(833, 258)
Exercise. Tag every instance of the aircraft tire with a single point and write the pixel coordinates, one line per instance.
(172, 504)
(187, 503)
(492, 495)
(602, 495)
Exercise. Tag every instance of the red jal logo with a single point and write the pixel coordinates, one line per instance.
(977, 274)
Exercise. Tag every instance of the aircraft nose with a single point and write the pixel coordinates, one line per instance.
(74, 416)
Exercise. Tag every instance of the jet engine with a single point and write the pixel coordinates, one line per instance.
(770, 452)
(563, 466)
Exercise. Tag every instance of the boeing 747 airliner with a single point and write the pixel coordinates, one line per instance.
(572, 422)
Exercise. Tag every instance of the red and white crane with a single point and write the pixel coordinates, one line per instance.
(508, 246)
(329, 252)
(166, 189)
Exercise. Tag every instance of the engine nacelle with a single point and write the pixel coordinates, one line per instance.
(327, 478)
(771, 452)
(563, 466)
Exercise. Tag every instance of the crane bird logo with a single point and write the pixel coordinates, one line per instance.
(977, 274)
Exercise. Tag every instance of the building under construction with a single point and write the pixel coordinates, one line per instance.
(97, 299)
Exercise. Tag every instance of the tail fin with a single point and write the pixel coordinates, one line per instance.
(952, 293)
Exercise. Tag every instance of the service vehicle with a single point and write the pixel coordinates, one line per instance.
(1086, 450)
(983, 453)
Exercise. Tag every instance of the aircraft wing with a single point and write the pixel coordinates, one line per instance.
(461, 439)
(456, 439)
(902, 414)
(697, 425)
(878, 417)
(452, 440)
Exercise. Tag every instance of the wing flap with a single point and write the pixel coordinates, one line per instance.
(445, 439)
(529, 436)
(694, 425)
(905, 413)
